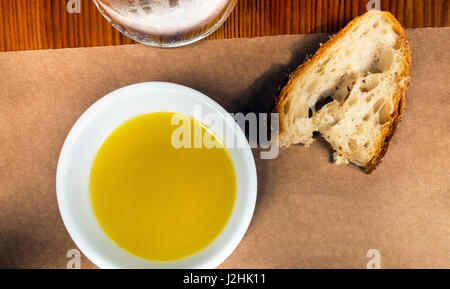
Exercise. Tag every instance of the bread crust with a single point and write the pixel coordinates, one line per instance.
(399, 96)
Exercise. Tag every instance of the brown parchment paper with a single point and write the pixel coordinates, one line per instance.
(309, 213)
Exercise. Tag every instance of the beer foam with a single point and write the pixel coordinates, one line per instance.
(163, 16)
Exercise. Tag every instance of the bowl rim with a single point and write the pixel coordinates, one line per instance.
(83, 242)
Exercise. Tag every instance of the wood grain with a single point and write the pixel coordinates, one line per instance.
(44, 24)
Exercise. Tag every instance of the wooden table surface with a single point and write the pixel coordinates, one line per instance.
(43, 24)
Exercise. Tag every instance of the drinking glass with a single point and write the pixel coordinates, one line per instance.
(166, 23)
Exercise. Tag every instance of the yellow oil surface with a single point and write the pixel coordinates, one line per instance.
(155, 201)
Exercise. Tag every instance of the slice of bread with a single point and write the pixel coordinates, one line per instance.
(352, 91)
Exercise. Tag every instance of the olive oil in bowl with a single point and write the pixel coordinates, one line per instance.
(158, 202)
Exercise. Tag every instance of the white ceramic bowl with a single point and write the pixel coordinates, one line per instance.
(85, 139)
